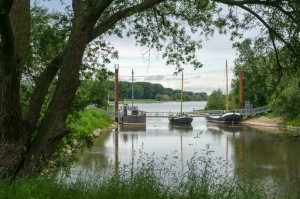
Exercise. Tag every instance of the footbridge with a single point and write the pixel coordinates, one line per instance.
(202, 113)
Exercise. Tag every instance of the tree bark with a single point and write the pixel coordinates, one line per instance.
(13, 131)
(52, 128)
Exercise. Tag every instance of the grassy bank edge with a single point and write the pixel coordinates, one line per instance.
(90, 123)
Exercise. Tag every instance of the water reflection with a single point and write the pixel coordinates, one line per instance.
(265, 153)
(181, 128)
(127, 128)
(269, 155)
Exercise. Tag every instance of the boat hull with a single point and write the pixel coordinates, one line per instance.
(228, 118)
(133, 119)
(181, 119)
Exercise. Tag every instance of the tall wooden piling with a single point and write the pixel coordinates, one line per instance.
(227, 109)
(241, 89)
(116, 91)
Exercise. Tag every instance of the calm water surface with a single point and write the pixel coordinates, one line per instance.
(273, 157)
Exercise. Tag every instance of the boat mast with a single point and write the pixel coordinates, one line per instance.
(132, 89)
(226, 87)
(181, 96)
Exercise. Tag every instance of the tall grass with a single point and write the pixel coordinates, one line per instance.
(81, 135)
(89, 120)
(204, 177)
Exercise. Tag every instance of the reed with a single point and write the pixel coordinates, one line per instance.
(151, 177)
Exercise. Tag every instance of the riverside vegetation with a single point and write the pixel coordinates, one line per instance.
(204, 177)
(151, 177)
(84, 126)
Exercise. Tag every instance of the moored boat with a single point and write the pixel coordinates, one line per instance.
(180, 119)
(227, 118)
(132, 116)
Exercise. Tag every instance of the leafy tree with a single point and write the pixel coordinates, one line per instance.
(149, 90)
(286, 103)
(257, 86)
(124, 90)
(165, 97)
(29, 138)
(138, 91)
(158, 88)
(216, 101)
(158, 97)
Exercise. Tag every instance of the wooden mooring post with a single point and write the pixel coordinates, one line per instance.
(116, 91)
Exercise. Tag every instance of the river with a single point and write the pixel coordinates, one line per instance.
(262, 150)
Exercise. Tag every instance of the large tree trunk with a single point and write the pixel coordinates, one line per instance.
(24, 146)
(14, 30)
(52, 128)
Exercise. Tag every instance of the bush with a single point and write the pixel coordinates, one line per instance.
(216, 101)
(287, 103)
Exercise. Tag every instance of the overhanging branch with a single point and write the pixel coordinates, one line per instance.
(113, 19)
(273, 4)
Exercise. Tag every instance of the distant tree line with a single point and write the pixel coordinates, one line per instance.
(146, 90)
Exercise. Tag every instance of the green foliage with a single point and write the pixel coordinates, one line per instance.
(216, 101)
(270, 78)
(258, 81)
(204, 178)
(146, 90)
(89, 120)
(82, 128)
(48, 36)
(286, 103)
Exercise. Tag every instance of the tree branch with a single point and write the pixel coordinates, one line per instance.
(278, 62)
(40, 92)
(288, 45)
(273, 4)
(113, 19)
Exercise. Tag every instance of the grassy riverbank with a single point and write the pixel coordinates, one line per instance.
(83, 129)
(204, 178)
(89, 120)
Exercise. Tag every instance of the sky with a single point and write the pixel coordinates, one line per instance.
(211, 76)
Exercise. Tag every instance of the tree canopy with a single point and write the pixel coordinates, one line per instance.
(31, 132)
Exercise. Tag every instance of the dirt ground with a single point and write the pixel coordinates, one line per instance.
(264, 121)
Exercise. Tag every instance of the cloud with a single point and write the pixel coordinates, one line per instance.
(155, 78)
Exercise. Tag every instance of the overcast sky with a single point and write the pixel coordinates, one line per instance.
(210, 77)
